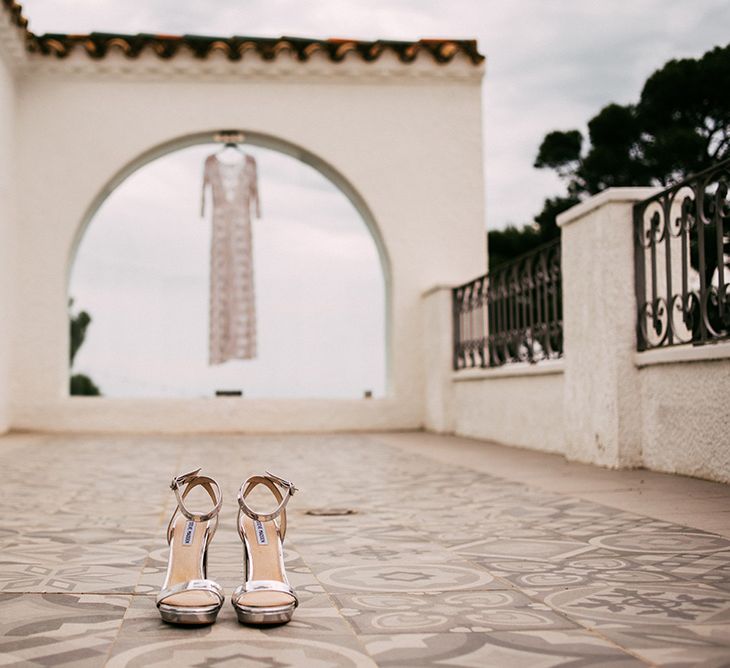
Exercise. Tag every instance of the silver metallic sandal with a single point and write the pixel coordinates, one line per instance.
(266, 597)
(187, 596)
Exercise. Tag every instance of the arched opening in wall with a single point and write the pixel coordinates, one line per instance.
(143, 266)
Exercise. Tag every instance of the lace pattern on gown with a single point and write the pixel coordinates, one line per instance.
(234, 194)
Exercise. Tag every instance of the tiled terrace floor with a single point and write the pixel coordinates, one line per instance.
(460, 554)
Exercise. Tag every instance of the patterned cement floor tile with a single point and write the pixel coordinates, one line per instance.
(438, 565)
(244, 651)
(516, 649)
(666, 603)
(407, 577)
(675, 646)
(525, 548)
(73, 578)
(455, 535)
(663, 542)
(365, 549)
(457, 612)
(323, 532)
(710, 569)
(582, 523)
(592, 568)
(78, 548)
(58, 629)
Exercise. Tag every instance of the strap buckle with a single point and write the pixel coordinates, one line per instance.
(183, 479)
(282, 482)
(273, 483)
(192, 479)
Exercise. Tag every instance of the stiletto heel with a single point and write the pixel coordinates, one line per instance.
(266, 597)
(187, 596)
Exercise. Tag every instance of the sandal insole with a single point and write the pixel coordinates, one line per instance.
(186, 557)
(263, 541)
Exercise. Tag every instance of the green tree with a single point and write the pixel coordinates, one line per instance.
(80, 384)
(680, 125)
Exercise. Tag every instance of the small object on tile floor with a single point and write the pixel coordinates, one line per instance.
(330, 512)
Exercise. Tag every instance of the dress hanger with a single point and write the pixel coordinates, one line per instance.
(227, 148)
(231, 141)
(231, 144)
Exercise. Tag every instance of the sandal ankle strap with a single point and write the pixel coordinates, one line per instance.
(274, 483)
(192, 480)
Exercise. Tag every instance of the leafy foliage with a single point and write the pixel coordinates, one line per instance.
(79, 323)
(679, 126)
(82, 385)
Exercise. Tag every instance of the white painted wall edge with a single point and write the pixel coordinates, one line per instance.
(436, 288)
(545, 368)
(610, 195)
(687, 353)
(214, 415)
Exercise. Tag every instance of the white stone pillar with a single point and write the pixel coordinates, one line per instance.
(437, 355)
(8, 223)
(601, 390)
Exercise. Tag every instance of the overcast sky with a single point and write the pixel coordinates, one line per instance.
(142, 272)
(550, 65)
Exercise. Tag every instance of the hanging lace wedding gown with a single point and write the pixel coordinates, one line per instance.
(234, 190)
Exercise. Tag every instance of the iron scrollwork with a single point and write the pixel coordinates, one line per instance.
(682, 262)
(511, 315)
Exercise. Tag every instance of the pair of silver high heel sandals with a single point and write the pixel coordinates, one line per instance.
(265, 597)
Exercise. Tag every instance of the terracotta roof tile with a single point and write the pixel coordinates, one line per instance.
(98, 44)
(15, 11)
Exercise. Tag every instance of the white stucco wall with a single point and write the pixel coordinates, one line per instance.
(604, 403)
(686, 423)
(665, 410)
(407, 137)
(601, 403)
(7, 233)
(437, 356)
(520, 407)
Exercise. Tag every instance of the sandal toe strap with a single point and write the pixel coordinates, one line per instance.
(192, 585)
(263, 585)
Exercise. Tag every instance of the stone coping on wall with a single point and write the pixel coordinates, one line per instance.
(545, 368)
(608, 196)
(683, 354)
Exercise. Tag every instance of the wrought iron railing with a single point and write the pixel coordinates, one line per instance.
(682, 255)
(513, 314)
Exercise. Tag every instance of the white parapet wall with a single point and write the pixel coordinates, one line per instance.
(601, 402)
(604, 403)
(401, 137)
(517, 405)
(685, 393)
(666, 409)
(520, 406)
(7, 231)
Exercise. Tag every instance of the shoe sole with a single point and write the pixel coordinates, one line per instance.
(189, 617)
(264, 616)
